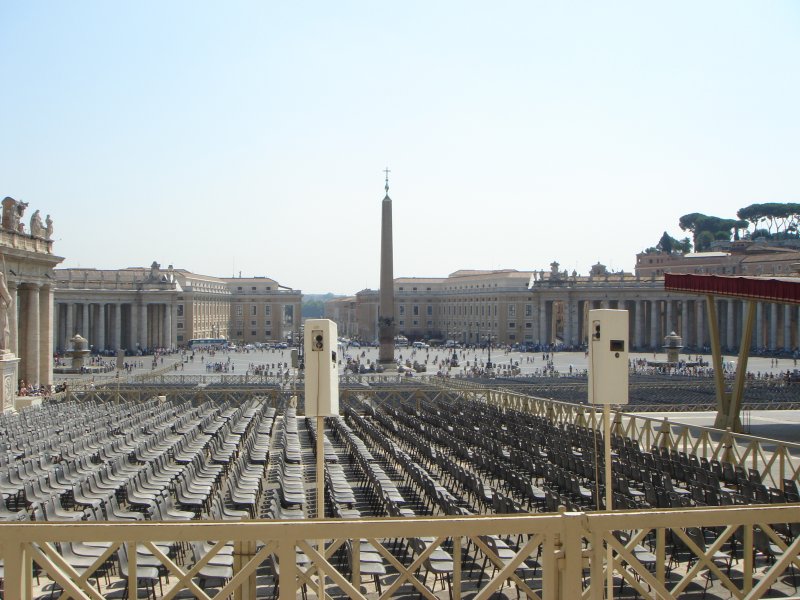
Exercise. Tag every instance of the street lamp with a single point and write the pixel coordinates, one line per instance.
(454, 359)
(489, 343)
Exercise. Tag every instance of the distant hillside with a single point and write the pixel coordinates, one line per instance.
(314, 305)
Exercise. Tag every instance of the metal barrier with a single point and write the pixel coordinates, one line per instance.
(552, 556)
(774, 460)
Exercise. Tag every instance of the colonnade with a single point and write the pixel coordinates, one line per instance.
(31, 332)
(113, 325)
(776, 328)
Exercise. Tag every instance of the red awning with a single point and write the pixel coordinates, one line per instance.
(771, 289)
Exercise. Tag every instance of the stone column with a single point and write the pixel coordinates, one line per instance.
(116, 342)
(638, 334)
(686, 323)
(655, 317)
(567, 320)
(700, 313)
(45, 298)
(759, 333)
(32, 335)
(535, 319)
(168, 337)
(70, 324)
(143, 325)
(85, 321)
(797, 330)
(670, 316)
(101, 326)
(773, 326)
(13, 319)
(134, 326)
(543, 337)
(787, 327)
(730, 321)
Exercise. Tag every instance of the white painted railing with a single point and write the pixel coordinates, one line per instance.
(558, 555)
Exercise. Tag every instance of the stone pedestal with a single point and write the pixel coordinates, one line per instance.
(9, 373)
(80, 351)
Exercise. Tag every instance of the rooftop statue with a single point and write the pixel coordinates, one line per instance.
(12, 213)
(37, 227)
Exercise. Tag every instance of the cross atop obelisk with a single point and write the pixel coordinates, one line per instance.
(387, 171)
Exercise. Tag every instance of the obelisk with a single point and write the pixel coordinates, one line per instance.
(386, 308)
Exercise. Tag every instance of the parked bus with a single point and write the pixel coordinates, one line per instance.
(207, 343)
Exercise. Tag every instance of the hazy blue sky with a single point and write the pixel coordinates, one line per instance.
(252, 136)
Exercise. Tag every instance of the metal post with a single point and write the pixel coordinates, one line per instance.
(737, 394)
(609, 496)
(716, 355)
(321, 497)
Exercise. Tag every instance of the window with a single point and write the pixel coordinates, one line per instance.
(512, 310)
(268, 333)
(252, 324)
(253, 309)
(402, 323)
(529, 310)
(267, 308)
(416, 310)
(269, 288)
(430, 310)
(402, 309)
(512, 325)
(415, 323)
(238, 334)
(430, 323)
(254, 289)
(253, 333)
(179, 326)
(239, 310)
(268, 322)
(180, 338)
(239, 289)
(288, 314)
(528, 325)
(180, 310)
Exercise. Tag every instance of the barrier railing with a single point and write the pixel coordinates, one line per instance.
(741, 551)
(774, 460)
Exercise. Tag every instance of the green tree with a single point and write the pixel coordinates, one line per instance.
(717, 227)
(781, 218)
(702, 240)
(665, 243)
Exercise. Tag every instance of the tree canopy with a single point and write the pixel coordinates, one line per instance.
(772, 220)
(712, 228)
(783, 218)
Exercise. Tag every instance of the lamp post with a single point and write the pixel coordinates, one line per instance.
(489, 365)
(454, 359)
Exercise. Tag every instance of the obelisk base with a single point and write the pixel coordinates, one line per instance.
(9, 367)
(388, 366)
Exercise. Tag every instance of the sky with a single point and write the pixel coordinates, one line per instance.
(252, 136)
